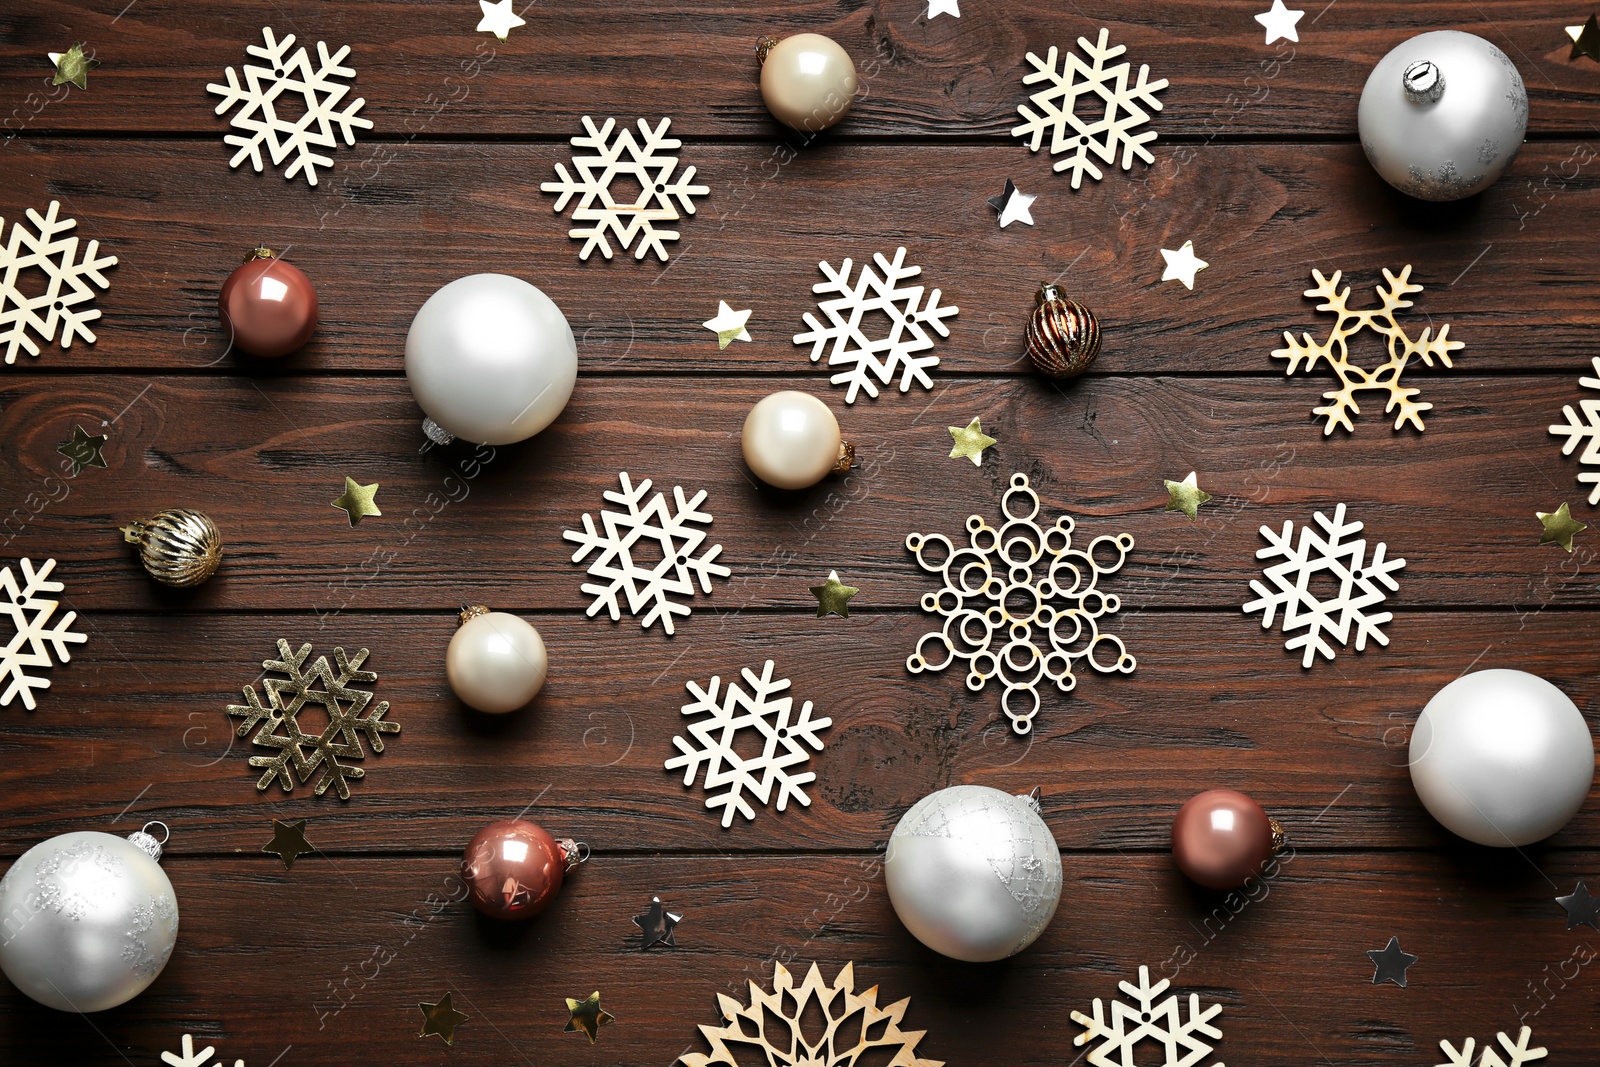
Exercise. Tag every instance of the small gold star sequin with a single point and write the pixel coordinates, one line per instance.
(288, 842)
(1559, 527)
(587, 1016)
(357, 500)
(83, 451)
(1186, 496)
(441, 1019)
(728, 325)
(970, 442)
(1585, 39)
(833, 597)
(73, 66)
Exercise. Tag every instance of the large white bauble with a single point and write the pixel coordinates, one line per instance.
(491, 359)
(1502, 757)
(1447, 132)
(973, 872)
(90, 919)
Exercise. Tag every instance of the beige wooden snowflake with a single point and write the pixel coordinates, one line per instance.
(852, 1026)
(1307, 353)
(1518, 1052)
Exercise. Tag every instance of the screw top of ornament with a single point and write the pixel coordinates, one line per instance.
(764, 46)
(1423, 82)
(470, 612)
(146, 842)
(1049, 291)
(573, 852)
(259, 252)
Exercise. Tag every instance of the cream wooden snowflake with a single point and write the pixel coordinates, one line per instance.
(190, 1058)
(1584, 431)
(645, 161)
(1185, 1043)
(1518, 1052)
(35, 636)
(289, 106)
(49, 250)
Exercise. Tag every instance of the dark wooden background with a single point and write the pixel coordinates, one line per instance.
(1257, 163)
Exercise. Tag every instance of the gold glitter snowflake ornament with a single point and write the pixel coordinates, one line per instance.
(1335, 350)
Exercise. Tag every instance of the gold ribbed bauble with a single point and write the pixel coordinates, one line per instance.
(1063, 335)
(179, 547)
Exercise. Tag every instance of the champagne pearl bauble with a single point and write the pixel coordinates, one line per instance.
(514, 869)
(1063, 335)
(1443, 115)
(496, 662)
(268, 306)
(791, 441)
(90, 920)
(1222, 839)
(490, 359)
(973, 872)
(1502, 757)
(808, 82)
(179, 547)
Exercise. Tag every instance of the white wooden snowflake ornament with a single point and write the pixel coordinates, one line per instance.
(647, 162)
(30, 616)
(1584, 431)
(1519, 1053)
(309, 97)
(1184, 1042)
(190, 1058)
(780, 739)
(875, 360)
(647, 530)
(1339, 554)
(48, 249)
(1124, 109)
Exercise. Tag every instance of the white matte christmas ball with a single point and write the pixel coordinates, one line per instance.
(496, 662)
(90, 919)
(1502, 757)
(808, 82)
(1443, 115)
(791, 440)
(491, 359)
(973, 872)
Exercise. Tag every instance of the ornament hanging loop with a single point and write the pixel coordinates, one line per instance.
(1032, 797)
(1423, 82)
(764, 46)
(148, 843)
(574, 853)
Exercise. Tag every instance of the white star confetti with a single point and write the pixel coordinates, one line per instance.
(1182, 265)
(1280, 22)
(728, 325)
(1013, 204)
(55, 255)
(944, 7)
(499, 19)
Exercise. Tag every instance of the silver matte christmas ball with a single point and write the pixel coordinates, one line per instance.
(1502, 758)
(1443, 115)
(973, 872)
(90, 920)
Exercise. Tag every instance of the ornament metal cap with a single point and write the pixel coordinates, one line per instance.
(146, 842)
(1423, 82)
(1032, 797)
(436, 433)
(847, 458)
(1279, 838)
(259, 252)
(470, 612)
(764, 46)
(573, 852)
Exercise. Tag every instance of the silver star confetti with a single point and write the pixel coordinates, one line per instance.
(1390, 963)
(656, 926)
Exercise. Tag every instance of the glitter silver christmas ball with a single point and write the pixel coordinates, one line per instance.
(973, 872)
(1443, 115)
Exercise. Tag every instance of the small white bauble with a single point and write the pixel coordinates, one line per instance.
(90, 920)
(791, 441)
(1502, 757)
(490, 359)
(973, 872)
(1443, 115)
(808, 81)
(496, 662)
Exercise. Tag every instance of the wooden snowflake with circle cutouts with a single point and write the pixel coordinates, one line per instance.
(1305, 353)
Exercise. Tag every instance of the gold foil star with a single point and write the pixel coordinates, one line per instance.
(83, 451)
(441, 1019)
(587, 1016)
(288, 842)
(1559, 527)
(728, 325)
(1585, 40)
(73, 66)
(970, 442)
(357, 500)
(833, 597)
(1186, 496)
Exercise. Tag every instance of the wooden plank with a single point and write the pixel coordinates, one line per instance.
(265, 457)
(138, 720)
(1512, 272)
(423, 70)
(327, 962)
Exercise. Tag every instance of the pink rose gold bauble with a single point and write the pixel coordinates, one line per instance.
(514, 869)
(1222, 838)
(269, 306)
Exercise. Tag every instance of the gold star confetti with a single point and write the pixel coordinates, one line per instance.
(83, 451)
(833, 597)
(1585, 40)
(441, 1019)
(970, 442)
(72, 66)
(357, 500)
(288, 842)
(587, 1016)
(728, 325)
(1559, 527)
(1186, 496)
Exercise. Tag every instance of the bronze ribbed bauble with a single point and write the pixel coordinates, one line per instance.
(1063, 335)
(179, 547)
